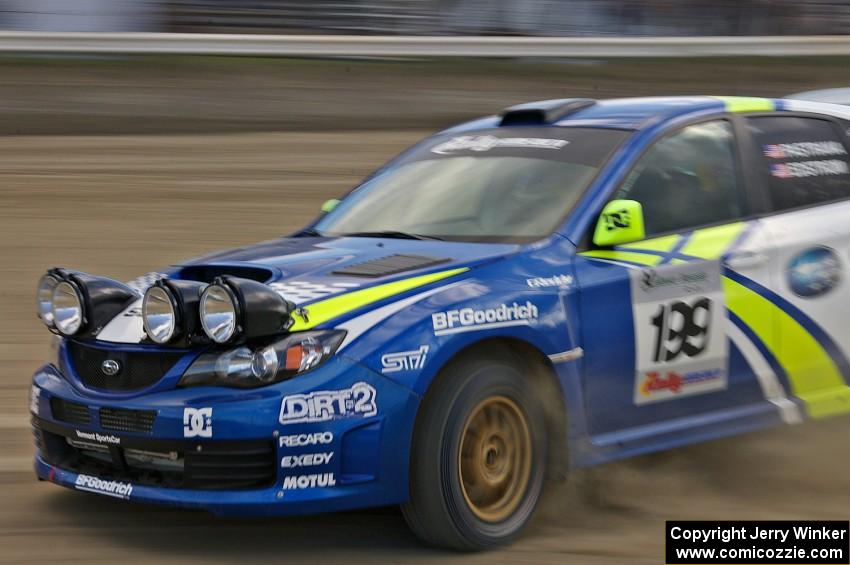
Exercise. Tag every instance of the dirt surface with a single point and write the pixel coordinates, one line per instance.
(120, 206)
(216, 94)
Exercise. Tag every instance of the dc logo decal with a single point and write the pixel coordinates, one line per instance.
(197, 422)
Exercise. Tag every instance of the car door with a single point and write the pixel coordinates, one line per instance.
(806, 170)
(664, 346)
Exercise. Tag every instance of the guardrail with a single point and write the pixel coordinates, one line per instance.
(407, 46)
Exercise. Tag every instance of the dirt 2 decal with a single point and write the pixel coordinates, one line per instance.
(679, 317)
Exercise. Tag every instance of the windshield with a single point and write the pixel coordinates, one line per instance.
(511, 184)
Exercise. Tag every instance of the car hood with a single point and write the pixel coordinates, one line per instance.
(307, 270)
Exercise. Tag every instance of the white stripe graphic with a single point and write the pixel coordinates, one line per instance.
(104, 493)
(770, 385)
(357, 326)
(478, 327)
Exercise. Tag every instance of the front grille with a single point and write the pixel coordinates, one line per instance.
(209, 465)
(234, 465)
(137, 369)
(123, 420)
(70, 412)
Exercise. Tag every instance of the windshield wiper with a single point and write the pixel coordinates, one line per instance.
(310, 233)
(391, 234)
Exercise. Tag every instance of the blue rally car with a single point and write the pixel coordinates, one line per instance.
(564, 284)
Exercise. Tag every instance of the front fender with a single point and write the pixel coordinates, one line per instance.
(412, 344)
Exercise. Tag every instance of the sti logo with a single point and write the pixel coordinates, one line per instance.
(404, 360)
(197, 422)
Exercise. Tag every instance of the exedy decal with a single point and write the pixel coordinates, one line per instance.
(306, 460)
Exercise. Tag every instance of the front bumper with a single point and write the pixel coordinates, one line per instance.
(232, 452)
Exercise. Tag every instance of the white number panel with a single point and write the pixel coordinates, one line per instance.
(679, 320)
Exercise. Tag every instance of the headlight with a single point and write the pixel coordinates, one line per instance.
(236, 308)
(159, 314)
(44, 299)
(250, 367)
(68, 314)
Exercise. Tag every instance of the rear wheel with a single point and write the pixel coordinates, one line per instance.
(478, 456)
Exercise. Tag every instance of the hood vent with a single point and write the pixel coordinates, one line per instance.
(389, 265)
(206, 273)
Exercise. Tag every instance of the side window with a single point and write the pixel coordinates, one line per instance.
(804, 160)
(687, 179)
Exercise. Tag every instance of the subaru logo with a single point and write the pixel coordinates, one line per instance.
(814, 272)
(110, 367)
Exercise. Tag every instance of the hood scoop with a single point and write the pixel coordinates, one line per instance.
(389, 265)
(207, 273)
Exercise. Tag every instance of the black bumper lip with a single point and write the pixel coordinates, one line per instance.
(208, 464)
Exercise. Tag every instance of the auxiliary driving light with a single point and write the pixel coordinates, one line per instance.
(44, 299)
(170, 312)
(67, 309)
(233, 307)
(76, 303)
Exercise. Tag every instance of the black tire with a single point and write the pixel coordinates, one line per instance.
(440, 512)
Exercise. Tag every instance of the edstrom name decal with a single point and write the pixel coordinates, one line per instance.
(474, 319)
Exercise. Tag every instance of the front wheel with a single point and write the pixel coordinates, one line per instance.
(478, 456)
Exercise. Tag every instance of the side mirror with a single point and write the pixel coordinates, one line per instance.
(329, 205)
(621, 221)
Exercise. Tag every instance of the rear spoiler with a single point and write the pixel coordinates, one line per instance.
(828, 95)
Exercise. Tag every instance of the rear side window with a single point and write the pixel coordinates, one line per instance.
(804, 160)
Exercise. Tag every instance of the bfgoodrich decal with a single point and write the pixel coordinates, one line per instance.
(473, 319)
(115, 489)
(358, 401)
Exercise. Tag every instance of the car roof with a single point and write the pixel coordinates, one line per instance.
(639, 113)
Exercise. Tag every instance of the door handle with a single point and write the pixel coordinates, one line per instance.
(745, 260)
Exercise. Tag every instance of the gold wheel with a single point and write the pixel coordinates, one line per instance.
(495, 458)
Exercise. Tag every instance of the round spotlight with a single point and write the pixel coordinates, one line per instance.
(67, 310)
(219, 313)
(44, 299)
(159, 314)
